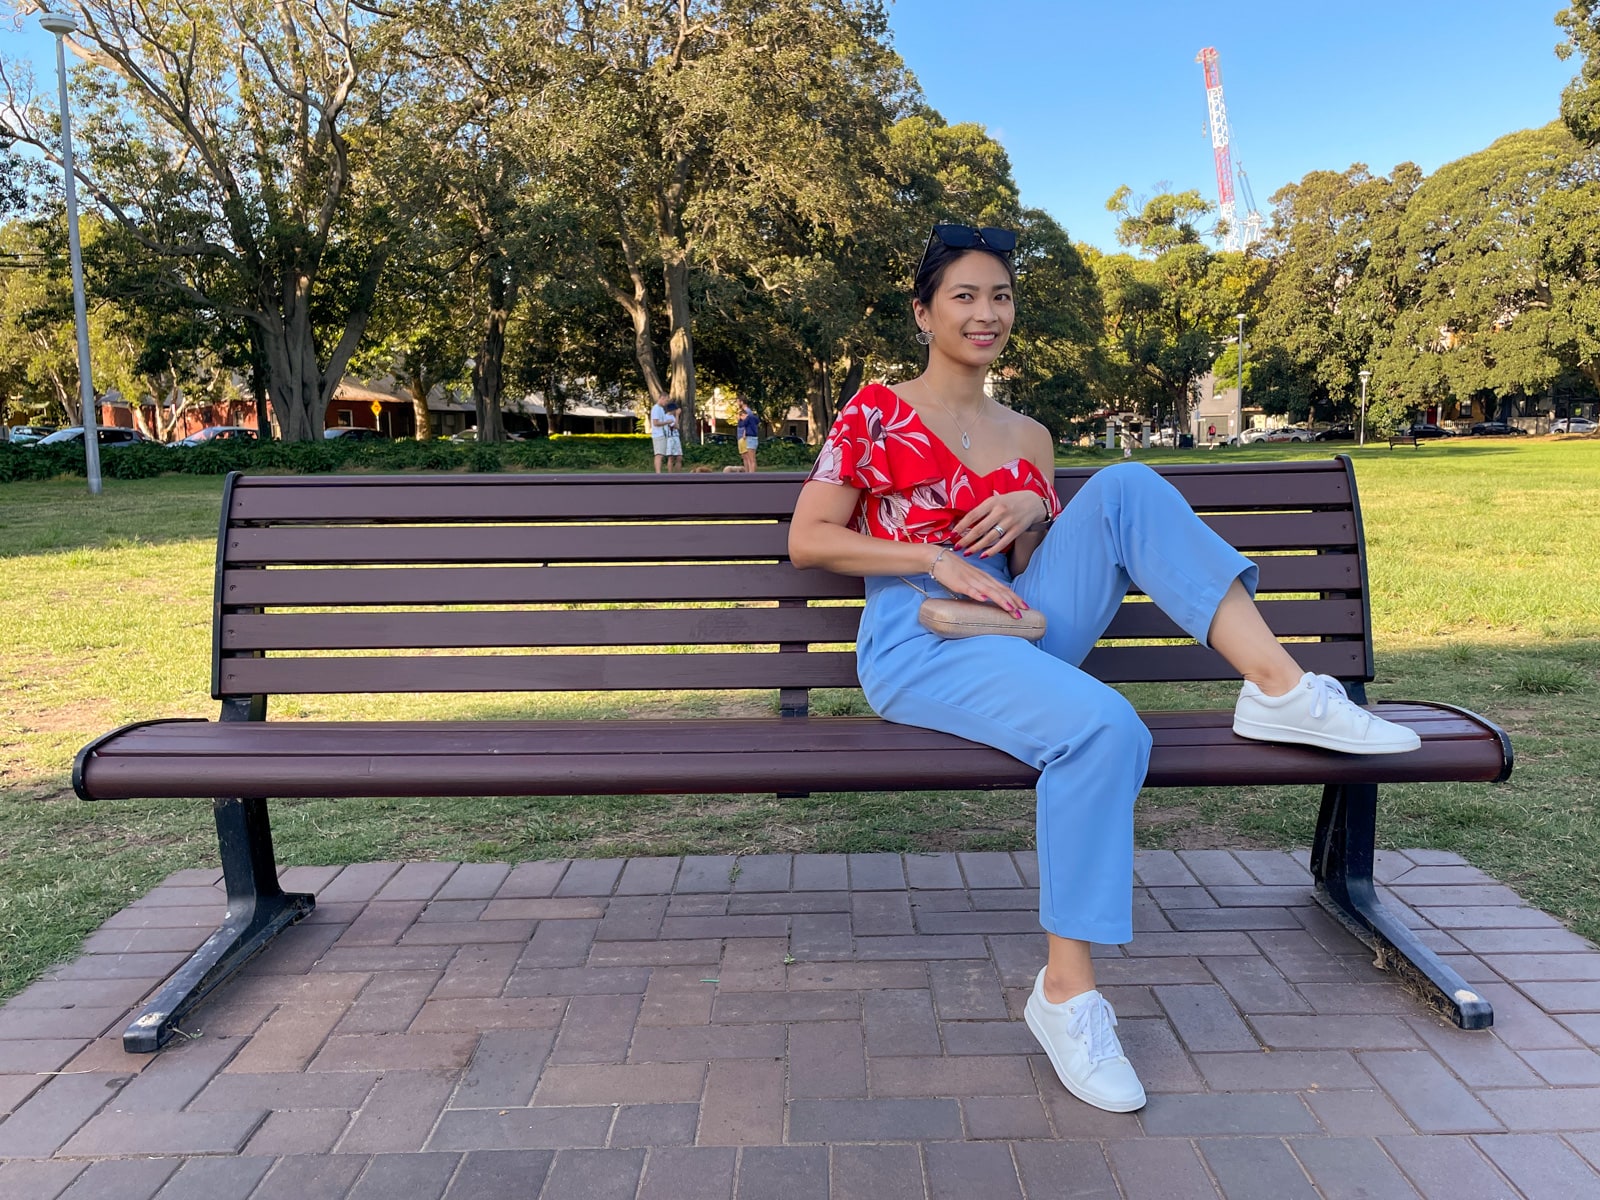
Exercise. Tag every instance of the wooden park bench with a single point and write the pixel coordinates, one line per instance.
(1402, 439)
(518, 584)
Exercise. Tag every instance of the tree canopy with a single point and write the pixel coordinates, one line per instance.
(630, 202)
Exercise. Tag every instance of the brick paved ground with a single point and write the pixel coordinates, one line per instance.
(807, 1026)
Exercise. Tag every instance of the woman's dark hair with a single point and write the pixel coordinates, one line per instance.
(938, 259)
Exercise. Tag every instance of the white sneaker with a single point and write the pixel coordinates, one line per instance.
(1318, 713)
(1080, 1037)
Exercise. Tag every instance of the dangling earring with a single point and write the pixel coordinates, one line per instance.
(925, 336)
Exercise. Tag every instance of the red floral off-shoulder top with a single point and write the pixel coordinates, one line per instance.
(913, 487)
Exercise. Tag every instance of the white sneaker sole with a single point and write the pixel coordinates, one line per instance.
(1094, 1101)
(1258, 731)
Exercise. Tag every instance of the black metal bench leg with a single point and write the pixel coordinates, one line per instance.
(257, 909)
(1341, 865)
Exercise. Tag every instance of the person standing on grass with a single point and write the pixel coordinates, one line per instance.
(931, 486)
(658, 432)
(674, 439)
(749, 430)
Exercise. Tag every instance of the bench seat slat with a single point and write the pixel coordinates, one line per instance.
(310, 545)
(757, 755)
(334, 586)
(435, 630)
(646, 735)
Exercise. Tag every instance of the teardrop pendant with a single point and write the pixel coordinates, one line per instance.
(966, 442)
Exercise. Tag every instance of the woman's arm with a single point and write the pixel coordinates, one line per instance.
(819, 537)
(1042, 454)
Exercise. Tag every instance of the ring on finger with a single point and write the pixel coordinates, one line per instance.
(998, 531)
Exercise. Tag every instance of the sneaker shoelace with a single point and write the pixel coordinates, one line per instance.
(1327, 692)
(1095, 1025)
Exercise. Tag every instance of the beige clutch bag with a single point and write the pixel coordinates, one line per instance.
(953, 618)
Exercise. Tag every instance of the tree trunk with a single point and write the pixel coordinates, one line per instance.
(555, 405)
(637, 306)
(419, 407)
(854, 368)
(488, 369)
(258, 381)
(681, 314)
(821, 398)
(294, 379)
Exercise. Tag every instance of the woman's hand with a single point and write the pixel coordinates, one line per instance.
(992, 526)
(960, 578)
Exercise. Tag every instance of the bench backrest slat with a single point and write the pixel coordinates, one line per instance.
(574, 572)
(737, 626)
(338, 586)
(305, 545)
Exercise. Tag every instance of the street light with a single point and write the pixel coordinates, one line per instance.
(1238, 400)
(1365, 375)
(61, 25)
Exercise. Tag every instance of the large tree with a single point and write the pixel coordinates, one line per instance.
(1169, 306)
(1337, 281)
(38, 333)
(1055, 357)
(1478, 317)
(684, 129)
(245, 148)
(1580, 102)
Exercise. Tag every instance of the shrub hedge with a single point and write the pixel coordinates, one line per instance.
(311, 458)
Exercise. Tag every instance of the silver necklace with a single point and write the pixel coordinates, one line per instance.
(983, 411)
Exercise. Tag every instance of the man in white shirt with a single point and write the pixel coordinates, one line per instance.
(660, 431)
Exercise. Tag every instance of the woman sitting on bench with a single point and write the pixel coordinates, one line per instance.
(933, 488)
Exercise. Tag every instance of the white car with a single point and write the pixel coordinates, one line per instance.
(1288, 433)
(1572, 425)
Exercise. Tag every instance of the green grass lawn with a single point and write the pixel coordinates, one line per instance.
(1483, 570)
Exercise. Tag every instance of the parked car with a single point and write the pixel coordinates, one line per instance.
(1288, 433)
(1572, 425)
(471, 435)
(354, 433)
(1497, 429)
(1423, 429)
(26, 435)
(792, 439)
(1249, 437)
(1336, 433)
(108, 436)
(217, 433)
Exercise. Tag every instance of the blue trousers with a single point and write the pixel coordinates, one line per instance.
(1127, 525)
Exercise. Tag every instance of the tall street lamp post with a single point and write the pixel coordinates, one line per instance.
(61, 25)
(1238, 400)
(1365, 375)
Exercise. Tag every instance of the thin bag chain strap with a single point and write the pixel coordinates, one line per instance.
(943, 550)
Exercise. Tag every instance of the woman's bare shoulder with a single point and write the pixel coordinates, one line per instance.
(1022, 427)
(1032, 439)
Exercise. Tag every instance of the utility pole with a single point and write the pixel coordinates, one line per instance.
(1365, 375)
(1238, 400)
(61, 26)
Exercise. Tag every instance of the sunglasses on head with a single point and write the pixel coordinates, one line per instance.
(966, 237)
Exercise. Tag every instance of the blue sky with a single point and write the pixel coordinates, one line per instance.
(1087, 95)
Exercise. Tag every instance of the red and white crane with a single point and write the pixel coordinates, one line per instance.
(1244, 230)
